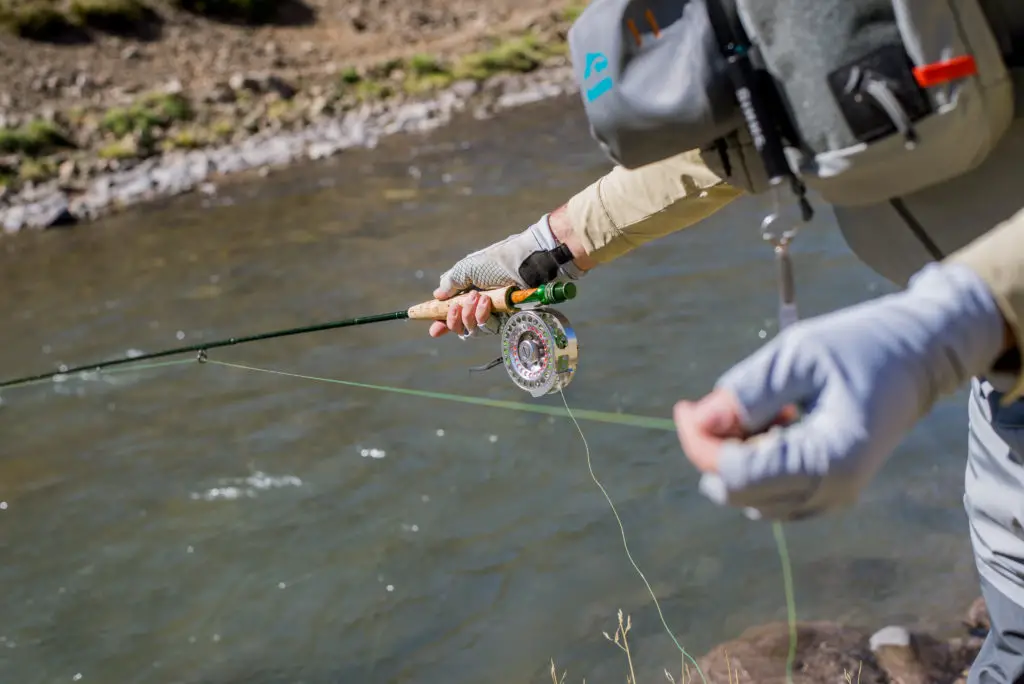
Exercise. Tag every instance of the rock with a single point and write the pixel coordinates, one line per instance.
(275, 84)
(173, 87)
(916, 658)
(12, 219)
(220, 93)
(825, 651)
(465, 89)
(244, 82)
(66, 171)
(829, 652)
(51, 211)
(318, 106)
(130, 52)
(977, 618)
(252, 120)
(322, 150)
(964, 651)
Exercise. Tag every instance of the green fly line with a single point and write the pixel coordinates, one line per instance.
(608, 417)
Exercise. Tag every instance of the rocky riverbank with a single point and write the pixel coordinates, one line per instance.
(90, 186)
(826, 652)
(152, 119)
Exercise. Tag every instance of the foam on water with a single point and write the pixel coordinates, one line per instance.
(231, 489)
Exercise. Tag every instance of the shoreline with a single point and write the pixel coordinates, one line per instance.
(57, 202)
(78, 143)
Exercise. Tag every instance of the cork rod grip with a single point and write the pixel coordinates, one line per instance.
(437, 309)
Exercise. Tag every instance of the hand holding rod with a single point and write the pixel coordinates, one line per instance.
(503, 299)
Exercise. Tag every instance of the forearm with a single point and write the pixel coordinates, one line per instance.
(627, 208)
(998, 257)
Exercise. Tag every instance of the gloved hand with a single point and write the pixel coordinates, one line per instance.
(526, 259)
(861, 376)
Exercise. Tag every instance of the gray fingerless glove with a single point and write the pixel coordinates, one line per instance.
(864, 375)
(526, 259)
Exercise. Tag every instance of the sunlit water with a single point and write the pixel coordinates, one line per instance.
(202, 524)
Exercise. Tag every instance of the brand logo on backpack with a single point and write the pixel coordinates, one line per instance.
(595, 64)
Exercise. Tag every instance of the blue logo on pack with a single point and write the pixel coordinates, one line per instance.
(596, 63)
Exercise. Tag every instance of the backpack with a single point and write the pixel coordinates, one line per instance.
(862, 101)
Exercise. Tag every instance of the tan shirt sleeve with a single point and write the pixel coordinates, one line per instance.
(998, 257)
(627, 208)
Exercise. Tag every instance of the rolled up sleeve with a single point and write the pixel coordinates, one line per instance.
(998, 257)
(627, 208)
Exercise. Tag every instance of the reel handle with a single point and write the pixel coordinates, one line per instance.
(503, 300)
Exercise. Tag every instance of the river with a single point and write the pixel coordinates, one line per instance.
(207, 525)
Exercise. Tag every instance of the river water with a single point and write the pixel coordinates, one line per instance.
(203, 524)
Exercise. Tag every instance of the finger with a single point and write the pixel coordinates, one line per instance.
(700, 447)
(455, 319)
(438, 328)
(783, 468)
(782, 373)
(483, 310)
(468, 306)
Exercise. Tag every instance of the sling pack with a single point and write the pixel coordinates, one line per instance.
(873, 99)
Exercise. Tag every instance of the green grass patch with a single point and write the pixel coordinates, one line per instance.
(425, 73)
(373, 90)
(349, 77)
(116, 14)
(34, 139)
(149, 113)
(36, 170)
(426, 65)
(425, 84)
(523, 54)
(188, 139)
(122, 149)
(223, 129)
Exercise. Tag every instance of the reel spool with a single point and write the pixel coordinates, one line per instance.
(539, 350)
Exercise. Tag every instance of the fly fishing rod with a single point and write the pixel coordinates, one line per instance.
(538, 346)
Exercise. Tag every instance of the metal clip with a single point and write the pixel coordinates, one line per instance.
(788, 314)
(780, 242)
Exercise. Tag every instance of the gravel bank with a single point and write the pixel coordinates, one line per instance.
(57, 203)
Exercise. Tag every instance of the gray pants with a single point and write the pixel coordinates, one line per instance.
(994, 500)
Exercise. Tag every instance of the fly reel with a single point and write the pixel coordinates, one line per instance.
(539, 350)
